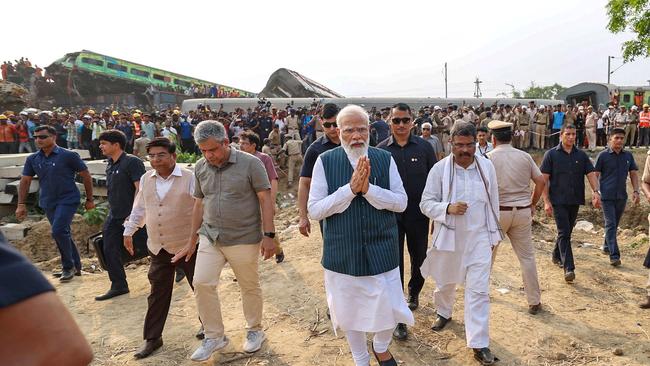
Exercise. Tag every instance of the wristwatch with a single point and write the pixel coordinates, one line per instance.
(269, 234)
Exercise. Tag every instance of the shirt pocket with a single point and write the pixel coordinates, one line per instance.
(416, 165)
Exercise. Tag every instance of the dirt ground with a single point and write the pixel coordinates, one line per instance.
(581, 323)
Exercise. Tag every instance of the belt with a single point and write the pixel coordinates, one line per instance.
(510, 208)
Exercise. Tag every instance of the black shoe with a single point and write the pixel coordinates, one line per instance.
(389, 362)
(534, 309)
(77, 272)
(200, 334)
(414, 301)
(279, 258)
(484, 356)
(569, 276)
(179, 275)
(440, 323)
(66, 275)
(149, 347)
(111, 294)
(557, 261)
(615, 262)
(400, 333)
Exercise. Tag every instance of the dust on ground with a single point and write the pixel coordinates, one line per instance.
(582, 323)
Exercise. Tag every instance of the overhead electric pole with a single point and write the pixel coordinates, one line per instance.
(445, 80)
(477, 90)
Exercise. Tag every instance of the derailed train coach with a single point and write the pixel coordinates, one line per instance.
(602, 94)
(230, 104)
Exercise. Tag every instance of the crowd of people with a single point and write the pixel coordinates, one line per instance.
(376, 181)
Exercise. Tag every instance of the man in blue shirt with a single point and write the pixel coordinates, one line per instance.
(187, 141)
(379, 129)
(558, 122)
(564, 168)
(56, 168)
(612, 168)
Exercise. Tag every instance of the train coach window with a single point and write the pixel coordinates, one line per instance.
(626, 98)
(158, 77)
(182, 83)
(139, 72)
(116, 67)
(92, 61)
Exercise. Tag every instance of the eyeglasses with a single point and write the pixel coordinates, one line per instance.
(41, 137)
(464, 146)
(329, 124)
(158, 156)
(404, 120)
(359, 130)
(426, 129)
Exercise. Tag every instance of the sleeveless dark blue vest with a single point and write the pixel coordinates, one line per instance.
(361, 241)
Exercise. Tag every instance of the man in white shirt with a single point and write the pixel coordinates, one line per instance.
(462, 198)
(483, 146)
(164, 203)
(360, 245)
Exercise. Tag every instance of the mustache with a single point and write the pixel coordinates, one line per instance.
(464, 154)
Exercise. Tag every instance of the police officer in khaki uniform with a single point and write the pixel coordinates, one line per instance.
(523, 126)
(515, 169)
(541, 121)
(445, 126)
(293, 148)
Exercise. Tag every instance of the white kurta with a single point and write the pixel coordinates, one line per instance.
(367, 303)
(461, 251)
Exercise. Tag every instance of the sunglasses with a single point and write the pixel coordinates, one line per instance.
(426, 129)
(398, 121)
(329, 124)
(41, 137)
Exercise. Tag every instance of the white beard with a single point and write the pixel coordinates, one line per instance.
(355, 153)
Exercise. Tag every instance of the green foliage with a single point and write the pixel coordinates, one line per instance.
(632, 16)
(97, 215)
(186, 157)
(543, 92)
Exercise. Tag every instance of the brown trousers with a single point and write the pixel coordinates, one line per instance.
(161, 277)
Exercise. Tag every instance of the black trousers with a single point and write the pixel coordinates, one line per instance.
(161, 278)
(416, 234)
(565, 219)
(113, 236)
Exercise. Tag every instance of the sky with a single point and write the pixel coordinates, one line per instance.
(357, 48)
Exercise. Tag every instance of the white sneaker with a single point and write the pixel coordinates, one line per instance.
(254, 340)
(208, 347)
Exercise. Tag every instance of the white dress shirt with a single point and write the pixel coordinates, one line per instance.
(137, 218)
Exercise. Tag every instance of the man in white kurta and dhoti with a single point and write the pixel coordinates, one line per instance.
(356, 190)
(461, 196)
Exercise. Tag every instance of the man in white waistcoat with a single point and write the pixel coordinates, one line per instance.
(164, 204)
(461, 196)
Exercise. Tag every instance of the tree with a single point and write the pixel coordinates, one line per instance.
(543, 92)
(634, 16)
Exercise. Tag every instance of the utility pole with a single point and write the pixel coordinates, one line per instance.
(477, 90)
(445, 80)
(609, 67)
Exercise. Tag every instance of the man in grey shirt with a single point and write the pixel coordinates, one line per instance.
(231, 189)
(433, 140)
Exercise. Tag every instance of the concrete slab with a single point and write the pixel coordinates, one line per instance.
(14, 231)
(12, 188)
(11, 171)
(7, 199)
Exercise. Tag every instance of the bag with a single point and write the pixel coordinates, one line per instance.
(140, 249)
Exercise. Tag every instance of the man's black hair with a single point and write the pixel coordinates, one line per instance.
(403, 107)
(330, 110)
(114, 137)
(567, 127)
(503, 136)
(463, 129)
(482, 129)
(51, 130)
(162, 141)
(252, 138)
